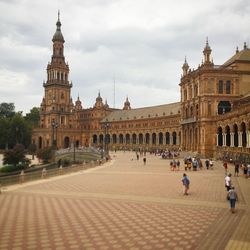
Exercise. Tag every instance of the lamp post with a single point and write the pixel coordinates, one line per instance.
(106, 126)
(54, 128)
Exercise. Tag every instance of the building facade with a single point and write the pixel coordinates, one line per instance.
(212, 117)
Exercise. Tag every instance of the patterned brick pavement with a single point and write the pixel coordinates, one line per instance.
(124, 205)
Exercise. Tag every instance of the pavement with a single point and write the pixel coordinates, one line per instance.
(125, 204)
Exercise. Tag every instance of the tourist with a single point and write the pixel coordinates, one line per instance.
(211, 164)
(236, 168)
(225, 167)
(244, 168)
(233, 197)
(207, 163)
(144, 160)
(185, 182)
(178, 165)
(248, 170)
(195, 164)
(228, 182)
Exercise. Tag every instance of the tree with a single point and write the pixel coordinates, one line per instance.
(15, 156)
(7, 109)
(20, 130)
(45, 154)
(4, 132)
(33, 117)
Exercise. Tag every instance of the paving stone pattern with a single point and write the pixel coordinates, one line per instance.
(123, 205)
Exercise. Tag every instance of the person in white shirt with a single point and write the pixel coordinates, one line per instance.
(228, 182)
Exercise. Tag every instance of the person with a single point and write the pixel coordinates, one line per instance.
(236, 168)
(178, 165)
(195, 164)
(186, 183)
(207, 163)
(233, 197)
(228, 183)
(144, 160)
(225, 167)
(211, 164)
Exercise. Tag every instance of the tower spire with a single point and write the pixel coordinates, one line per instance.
(207, 52)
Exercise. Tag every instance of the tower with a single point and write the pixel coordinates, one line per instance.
(185, 67)
(57, 106)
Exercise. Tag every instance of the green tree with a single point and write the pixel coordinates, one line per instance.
(20, 130)
(7, 109)
(4, 132)
(33, 117)
(16, 156)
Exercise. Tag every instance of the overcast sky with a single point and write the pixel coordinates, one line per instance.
(139, 44)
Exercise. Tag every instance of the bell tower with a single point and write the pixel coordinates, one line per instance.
(57, 106)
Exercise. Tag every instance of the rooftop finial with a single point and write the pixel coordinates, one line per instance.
(237, 49)
(59, 15)
(245, 45)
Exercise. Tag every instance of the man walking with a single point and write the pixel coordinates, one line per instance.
(233, 197)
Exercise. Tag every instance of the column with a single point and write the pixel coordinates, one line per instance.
(232, 139)
(217, 139)
(157, 139)
(170, 139)
(224, 140)
(248, 139)
(177, 139)
(240, 139)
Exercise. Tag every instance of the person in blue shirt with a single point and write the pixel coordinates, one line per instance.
(186, 183)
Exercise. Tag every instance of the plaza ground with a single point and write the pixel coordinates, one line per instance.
(126, 205)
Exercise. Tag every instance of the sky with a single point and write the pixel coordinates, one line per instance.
(122, 48)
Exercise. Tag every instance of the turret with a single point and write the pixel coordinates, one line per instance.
(127, 105)
(207, 53)
(185, 67)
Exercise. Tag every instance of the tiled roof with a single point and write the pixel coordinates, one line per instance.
(144, 113)
(243, 55)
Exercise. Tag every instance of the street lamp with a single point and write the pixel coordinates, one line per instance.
(106, 126)
(54, 126)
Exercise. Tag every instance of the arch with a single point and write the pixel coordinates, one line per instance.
(174, 138)
(66, 142)
(160, 138)
(40, 142)
(236, 139)
(94, 139)
(121, 138)
(167, 138)
(133, 138)
(127, 138)
(140, 138)
(244, 134)
(147, 138)
(220, 136)
(114, 138)
(154, 138)
(228, 137)
(223, 107)
(101, 139)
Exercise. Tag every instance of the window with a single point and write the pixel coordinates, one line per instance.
(228, 87)
(220, 87)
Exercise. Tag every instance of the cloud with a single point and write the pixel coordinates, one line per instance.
(141, 44)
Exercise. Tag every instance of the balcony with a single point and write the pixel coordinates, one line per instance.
(188, 120)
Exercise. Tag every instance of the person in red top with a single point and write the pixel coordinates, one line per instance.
(225, 167)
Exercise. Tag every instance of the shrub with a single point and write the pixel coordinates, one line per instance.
(45, 154)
